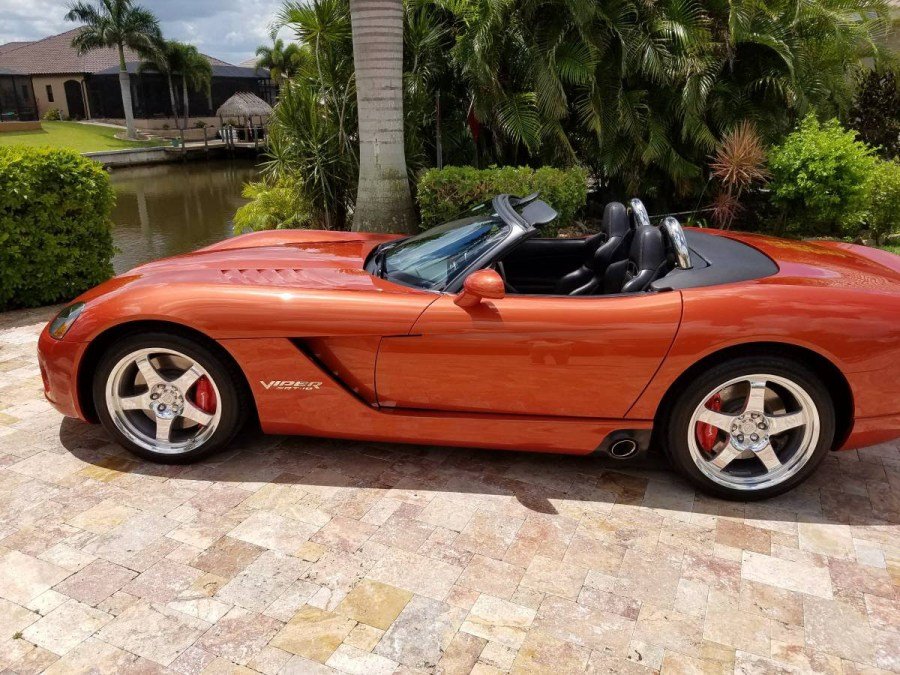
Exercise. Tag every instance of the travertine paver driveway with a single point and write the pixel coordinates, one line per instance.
(306, 556)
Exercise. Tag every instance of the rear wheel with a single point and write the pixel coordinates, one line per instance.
(751, 428)
(167, 398)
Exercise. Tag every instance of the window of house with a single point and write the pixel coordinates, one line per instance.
(50, 93)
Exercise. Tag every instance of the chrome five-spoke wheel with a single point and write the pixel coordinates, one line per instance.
(754, 431)
(163, 400)
(752, 427)
(169, 398)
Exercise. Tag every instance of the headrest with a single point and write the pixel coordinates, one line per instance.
(615, 220)
(648, 248)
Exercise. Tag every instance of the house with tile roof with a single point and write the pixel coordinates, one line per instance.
(86, 86)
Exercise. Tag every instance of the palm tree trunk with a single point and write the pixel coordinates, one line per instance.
(383, 202)
(125, 86)
(172, 98)
(187, 106)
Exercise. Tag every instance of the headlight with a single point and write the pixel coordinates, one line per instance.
(64, 320)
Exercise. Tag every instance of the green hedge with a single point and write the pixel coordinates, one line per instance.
(821, 178)
(444, 193)
(55, 239)
(884, 199)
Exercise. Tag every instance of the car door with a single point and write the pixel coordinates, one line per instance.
(530, 355)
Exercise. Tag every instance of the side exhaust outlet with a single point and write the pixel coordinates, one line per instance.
(623, 449)
(622, 444)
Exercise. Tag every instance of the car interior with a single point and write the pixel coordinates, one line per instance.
(626, 256)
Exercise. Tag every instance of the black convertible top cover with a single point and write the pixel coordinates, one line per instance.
(717, 260)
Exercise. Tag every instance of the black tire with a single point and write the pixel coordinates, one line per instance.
(676, 426)
(233, 397)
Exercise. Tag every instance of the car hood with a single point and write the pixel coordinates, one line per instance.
(299, 259)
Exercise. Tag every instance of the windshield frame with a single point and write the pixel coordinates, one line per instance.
(518, 230)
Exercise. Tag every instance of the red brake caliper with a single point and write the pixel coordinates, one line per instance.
(205, 395)
(707, 434)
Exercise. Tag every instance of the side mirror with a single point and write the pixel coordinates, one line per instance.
(479, 285)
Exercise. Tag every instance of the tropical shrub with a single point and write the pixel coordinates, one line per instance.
(271, 207)
(52, 115)
(884, 199)
(55, 239)
(737, 166)
(444, 193)
(820, 178)
(876, 111)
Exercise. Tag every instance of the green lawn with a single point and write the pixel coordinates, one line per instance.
(79, 137)
(892, 248)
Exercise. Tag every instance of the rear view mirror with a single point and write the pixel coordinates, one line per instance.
(480, 285)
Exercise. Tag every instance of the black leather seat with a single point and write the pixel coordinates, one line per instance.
(601, 250)
(646, 263)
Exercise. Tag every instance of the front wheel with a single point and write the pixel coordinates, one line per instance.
(167, 398)
(751, 428)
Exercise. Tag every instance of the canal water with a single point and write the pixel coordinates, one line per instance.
(166, 209)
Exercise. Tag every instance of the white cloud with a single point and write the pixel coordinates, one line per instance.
(227, 29)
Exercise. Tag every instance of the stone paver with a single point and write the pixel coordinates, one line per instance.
(302, 555)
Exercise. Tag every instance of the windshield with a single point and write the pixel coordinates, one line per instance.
(435, 257)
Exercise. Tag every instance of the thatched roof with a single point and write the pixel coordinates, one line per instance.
(244, 104)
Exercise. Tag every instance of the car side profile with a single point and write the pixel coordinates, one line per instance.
(745, 358)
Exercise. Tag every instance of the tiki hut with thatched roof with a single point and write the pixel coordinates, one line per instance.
(246, 109)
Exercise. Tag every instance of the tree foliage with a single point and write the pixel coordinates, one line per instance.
(876, 110)
(820, 177)
(281, 60)
(114, 23)
(641, 93)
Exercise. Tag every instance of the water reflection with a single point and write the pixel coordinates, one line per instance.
(167, 209)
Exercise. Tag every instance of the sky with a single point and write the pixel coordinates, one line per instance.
(230, 30)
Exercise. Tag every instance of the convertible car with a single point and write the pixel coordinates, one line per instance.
(747, 359)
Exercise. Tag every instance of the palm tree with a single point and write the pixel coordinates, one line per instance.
(164, 59)
(196, 74)
(383, 201)
(280, 60)
(311, 139)
(117, 24)
(644, 91)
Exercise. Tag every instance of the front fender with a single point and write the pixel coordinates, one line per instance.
(222, 311)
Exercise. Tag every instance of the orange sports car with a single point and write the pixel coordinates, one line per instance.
(746, 358)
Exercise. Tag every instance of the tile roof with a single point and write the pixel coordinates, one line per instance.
(56, 55)
(13, 45)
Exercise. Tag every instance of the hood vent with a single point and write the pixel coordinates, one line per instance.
(265, 277)
(311, 277)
